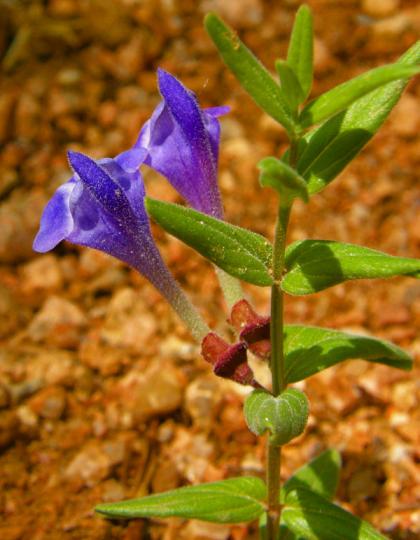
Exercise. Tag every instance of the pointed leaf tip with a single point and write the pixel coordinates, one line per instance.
(300, 52)
(314, 265)
(234, 500)
(249, 71)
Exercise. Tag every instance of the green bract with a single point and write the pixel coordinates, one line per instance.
(284, 416)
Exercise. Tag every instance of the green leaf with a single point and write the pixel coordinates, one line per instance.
(234, 500)
(325, 151)
(284, 416)
(239, 252)
(290, 84)
(314, 265)
(249, 71)
(283, 178)
(311, 516)
(320, 475)
(342, 96)
(300, 52)
(310, 349)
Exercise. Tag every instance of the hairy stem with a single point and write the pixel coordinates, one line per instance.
(277, 364)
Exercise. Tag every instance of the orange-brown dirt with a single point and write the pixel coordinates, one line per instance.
(103, 394)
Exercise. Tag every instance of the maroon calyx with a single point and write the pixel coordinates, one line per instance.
(228, 361)
(253, 328)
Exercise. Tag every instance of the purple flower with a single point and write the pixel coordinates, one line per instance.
(182, 143)
(102, 207)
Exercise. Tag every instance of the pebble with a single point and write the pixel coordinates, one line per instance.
(392, 27)
(128, 323)
(405, 118)
(363, 484)
(199, 530)
(323, 59)
(243, 14)
(19, 221)
(166, 477)
(54, 367)
(202, 398)
(192, 454)
(49, 403)
(380, 8)
(9, 428)
(112, 491)
(11, 312)
(43, 274)
(157, 391)
(94, 461)
(7, 104)
(60, 322)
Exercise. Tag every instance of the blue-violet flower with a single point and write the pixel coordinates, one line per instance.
(102, 207)
(182, 143)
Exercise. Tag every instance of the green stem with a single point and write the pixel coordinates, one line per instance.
(277, 367)
(277, 364)
(276, 327)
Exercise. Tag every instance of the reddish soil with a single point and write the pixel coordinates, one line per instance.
(103, 394)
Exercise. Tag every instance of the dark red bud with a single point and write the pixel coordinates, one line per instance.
(228, 361)
(243, 314)
(253, 328)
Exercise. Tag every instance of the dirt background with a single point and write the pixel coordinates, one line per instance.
(103, 395)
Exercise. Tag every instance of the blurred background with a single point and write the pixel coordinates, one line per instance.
(103, 395)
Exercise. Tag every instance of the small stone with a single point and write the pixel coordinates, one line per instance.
(323, 59)
(94, 462)
(7, 104)
(166, 477)
(9, 428)
(112, 491)
(19, 221)
(405, 118)
(54, 367)
(49, 403)
(363, 484)
(380, 8)
(69, 76)
(43, 274)
(243, 14)
(199, 530)
(5, 397)
(202, 399)
(128, 323)
(392, 27)
(157, 391)
(59, 322)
